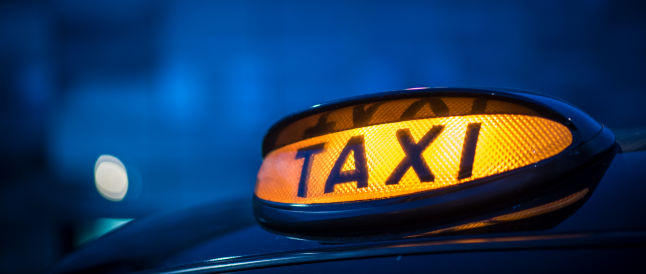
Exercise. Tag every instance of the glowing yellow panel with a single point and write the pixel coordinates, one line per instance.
(400, 158)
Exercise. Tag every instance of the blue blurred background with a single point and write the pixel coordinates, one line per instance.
(183, 91)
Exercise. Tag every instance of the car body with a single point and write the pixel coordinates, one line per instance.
(602, 230)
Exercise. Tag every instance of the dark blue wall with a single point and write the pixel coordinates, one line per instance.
(182, 91)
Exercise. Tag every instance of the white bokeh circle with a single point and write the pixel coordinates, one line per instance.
(111, 178)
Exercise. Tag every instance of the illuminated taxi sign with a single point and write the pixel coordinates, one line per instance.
(383, 161)
(394, 159)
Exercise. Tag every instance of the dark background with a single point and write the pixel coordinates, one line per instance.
(182, 91)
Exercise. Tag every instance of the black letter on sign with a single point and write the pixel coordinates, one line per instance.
(359, 174)
(414, 157)
(469, 150)
(322, 127)
(438, 107)
(479, 106)
(307, 153)
(361, 117)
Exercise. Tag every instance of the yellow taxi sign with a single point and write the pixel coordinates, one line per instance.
(413, 161)
(399, 158)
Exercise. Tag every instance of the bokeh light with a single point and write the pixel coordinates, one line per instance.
(111, 178)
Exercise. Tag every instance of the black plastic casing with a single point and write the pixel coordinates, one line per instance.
(591, 142)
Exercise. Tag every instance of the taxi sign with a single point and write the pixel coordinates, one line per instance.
(406, 153)
(394, 159)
